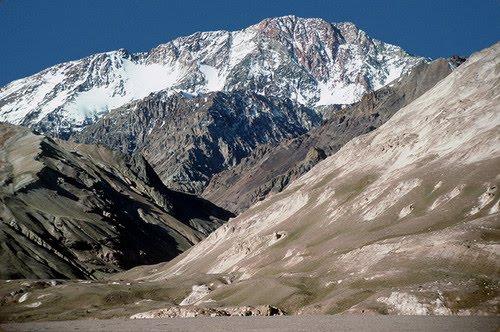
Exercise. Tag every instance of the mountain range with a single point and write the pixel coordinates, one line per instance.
(189, 139)
(401, 220)
(272, 167)
(310, 61)
(296, 166)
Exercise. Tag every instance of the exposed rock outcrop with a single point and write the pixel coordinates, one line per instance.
(189, 139)
(171, 312)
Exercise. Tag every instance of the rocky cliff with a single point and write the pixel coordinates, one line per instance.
(189, 139)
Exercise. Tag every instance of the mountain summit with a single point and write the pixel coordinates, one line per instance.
(311, 61)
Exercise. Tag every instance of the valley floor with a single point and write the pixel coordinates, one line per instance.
(283, 323)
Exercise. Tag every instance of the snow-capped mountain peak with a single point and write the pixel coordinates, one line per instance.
(308, 60)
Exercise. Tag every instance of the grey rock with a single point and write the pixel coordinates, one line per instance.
(189, 139)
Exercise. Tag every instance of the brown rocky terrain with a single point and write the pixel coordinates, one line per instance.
(402, 220)
(78, 211)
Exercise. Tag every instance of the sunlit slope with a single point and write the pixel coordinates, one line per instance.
(403, 219)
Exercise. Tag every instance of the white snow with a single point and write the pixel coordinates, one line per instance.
(214, 81)
(144, 79)
(84, 90)
(136, 80)
(330, 94)
(15, 111)
(243, 43)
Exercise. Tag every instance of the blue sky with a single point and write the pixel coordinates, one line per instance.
(35, 34)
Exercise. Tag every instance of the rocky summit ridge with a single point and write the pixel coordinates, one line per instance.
(310, 61)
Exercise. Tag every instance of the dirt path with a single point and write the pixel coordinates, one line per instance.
(295, 323)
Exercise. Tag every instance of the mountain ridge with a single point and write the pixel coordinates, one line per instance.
(80, 211)
(188, 139)
(401, 220)
(308, 60)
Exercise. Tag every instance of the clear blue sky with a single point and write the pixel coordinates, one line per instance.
(35, 34)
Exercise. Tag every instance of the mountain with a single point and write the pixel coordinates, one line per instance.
(81, 211)
(272, 167)
(310, 61)
(189, 139)
(401, 220)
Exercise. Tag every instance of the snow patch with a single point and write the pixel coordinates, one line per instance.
(330, 94)
(213, 81)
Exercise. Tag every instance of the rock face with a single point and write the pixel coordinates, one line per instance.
(80, 211)
(401, 220)
(171, 312)
(309, 61)
(272, 167)
(189, 139)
